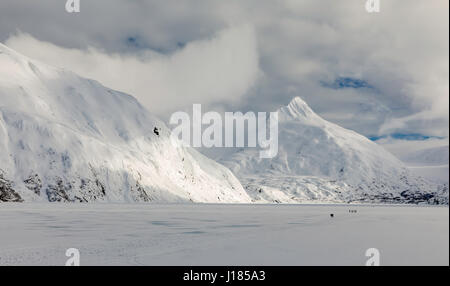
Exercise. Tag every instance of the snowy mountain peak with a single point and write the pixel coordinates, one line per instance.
(320, 161)
(6, 50)
(297, 109)
(69, 139)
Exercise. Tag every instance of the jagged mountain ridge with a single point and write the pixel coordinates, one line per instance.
(67, 138)
(319, 161)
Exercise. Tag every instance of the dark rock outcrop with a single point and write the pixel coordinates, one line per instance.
(7, 193)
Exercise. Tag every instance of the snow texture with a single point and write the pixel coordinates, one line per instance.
(321, 161)
(204, 234)
(64, 138)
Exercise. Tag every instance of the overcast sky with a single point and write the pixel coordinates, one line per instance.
(379, 74)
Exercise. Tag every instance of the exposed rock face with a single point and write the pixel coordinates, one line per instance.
(58, 192)
(34, 183)
(7, 193)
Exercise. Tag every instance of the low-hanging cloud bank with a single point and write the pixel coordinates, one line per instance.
(300, 47)
(220, 68)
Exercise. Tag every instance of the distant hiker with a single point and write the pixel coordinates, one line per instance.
(156, 131)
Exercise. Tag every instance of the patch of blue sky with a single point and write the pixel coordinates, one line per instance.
(347, 82)
(405, 136)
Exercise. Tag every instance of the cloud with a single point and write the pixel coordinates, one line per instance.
(404, 148)
(401, 52)
(222, 67)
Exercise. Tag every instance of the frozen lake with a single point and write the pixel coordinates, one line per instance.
(189, 234)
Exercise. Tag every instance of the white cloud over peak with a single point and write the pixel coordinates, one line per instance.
(171, 54)
(219, 68)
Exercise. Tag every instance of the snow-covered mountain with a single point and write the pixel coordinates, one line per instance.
(323, 162)
(67, 138)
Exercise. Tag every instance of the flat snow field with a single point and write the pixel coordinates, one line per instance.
(205, 234)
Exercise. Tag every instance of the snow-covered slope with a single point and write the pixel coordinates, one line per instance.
(323, 162)
(66, 138)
